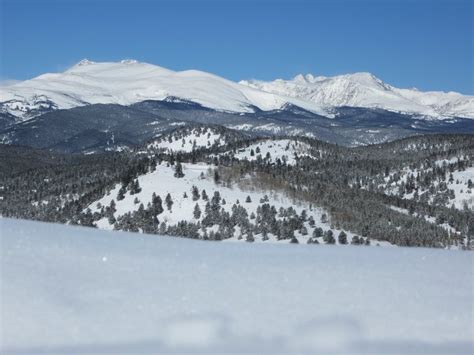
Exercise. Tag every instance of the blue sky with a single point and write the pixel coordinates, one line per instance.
(426, 44)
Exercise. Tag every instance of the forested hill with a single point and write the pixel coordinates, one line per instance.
(210, 182)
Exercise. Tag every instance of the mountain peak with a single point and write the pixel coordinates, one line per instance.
(302, 78)
(84, 62)
(128, 61)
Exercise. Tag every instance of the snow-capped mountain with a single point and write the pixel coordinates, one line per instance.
(366, 90)
(127, 82)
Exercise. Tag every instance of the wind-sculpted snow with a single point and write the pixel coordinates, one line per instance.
(79, 290)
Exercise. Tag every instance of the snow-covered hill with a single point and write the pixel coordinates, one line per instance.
(128, 82)
(452, 187)
(80, 290)
(187, 140)
(163, 181)
(366, 90)
(286, 151)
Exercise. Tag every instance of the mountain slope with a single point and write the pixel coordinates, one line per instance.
(129, 82)
(366, 90)
(105, 127)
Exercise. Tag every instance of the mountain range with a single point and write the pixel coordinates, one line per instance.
(129, 81)
(366, 90)
(111, 105)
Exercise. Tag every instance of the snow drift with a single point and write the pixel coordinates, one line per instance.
(70, 289)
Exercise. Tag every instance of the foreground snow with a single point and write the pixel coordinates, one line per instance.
(70, 289)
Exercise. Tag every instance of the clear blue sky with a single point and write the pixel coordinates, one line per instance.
(426, 44)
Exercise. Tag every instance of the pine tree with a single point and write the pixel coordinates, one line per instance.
(197, 212)
(324, 218)
(355, 240)
(195, 193)
(156, 204)
(342, 238)
(217, 177)
(135, 187)
(318, 232)
(169, 202)
(329, 237)
(178, 170)
(121, 194)
(112, 219)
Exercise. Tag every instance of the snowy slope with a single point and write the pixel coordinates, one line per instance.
(162, 181)
(189, 141)
(462, 196)
(285, 150)
(128, 82)
(79, 290)
(366, 90)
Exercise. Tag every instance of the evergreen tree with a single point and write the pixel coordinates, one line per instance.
(197, 212)
(178, 170)
(324, 218)
(318, 232)
(342, 238)
(355, 240)
(156, 204)
(329, 237)
(121, 194)
(169, 202)
(217, 177)
(195, 193)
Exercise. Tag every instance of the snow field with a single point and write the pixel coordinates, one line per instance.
(81, 290)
